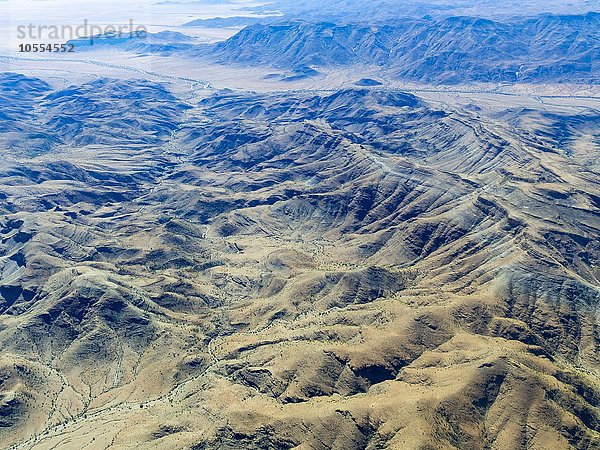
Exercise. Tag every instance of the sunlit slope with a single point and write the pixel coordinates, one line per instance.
(452, 50)
(355, 269)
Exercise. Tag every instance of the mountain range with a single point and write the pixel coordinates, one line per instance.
(548, 48)
(358, 268)
(348, 225)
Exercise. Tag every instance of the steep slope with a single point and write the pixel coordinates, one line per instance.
(18, 97)
(451, 50)
(103, 112)
(354, 269)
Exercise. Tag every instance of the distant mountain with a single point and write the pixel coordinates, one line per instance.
(230, 22)
(452, 50)
(546, 48)
(386, 10)
(143, 41)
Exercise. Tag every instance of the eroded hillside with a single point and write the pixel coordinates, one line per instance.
(350, 269)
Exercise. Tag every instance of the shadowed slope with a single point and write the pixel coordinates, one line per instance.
(364, 271)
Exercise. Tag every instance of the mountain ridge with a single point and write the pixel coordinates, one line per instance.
(213, 284)
(458, 49)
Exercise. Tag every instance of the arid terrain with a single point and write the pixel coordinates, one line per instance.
(353, 269)
(212, 256)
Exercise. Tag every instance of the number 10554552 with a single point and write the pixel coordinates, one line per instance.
(46, 48)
